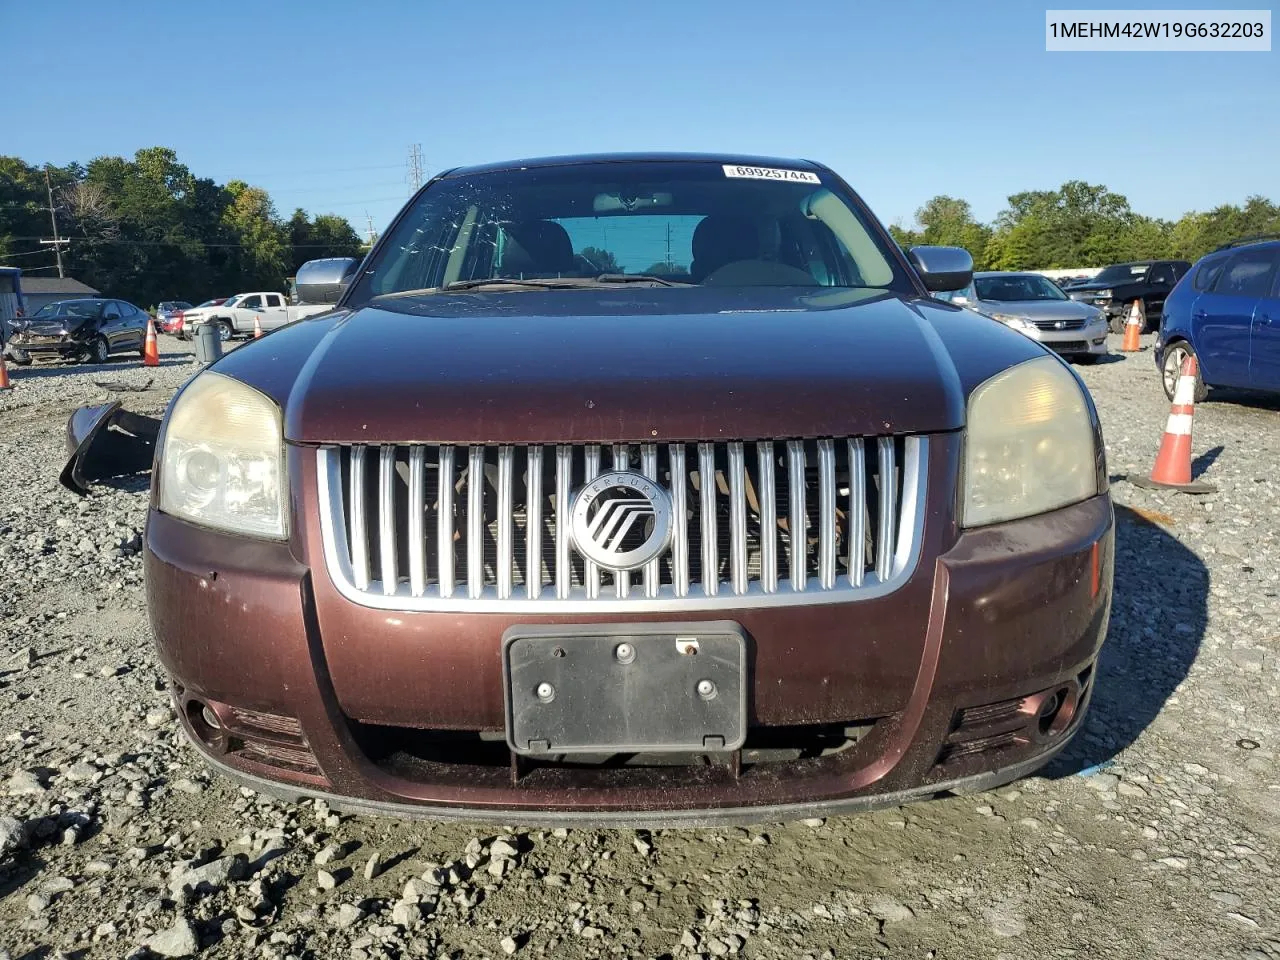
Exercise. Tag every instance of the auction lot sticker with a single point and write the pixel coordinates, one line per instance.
(770, 173)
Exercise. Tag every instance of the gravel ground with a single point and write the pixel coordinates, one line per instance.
(1155, 836)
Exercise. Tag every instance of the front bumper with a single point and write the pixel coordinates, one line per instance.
(946, 680)
(48, 350)
(1090, 339)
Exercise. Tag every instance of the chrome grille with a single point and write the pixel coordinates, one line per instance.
(407, 526)
(1077, 324)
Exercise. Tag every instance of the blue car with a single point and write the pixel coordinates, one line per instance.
(1226, 313)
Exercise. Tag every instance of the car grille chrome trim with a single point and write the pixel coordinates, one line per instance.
(446, 543)
(1052, 325)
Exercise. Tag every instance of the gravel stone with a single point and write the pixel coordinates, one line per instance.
(178, 940)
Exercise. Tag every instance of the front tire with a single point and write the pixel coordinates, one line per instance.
(1171, 369)
(225, 331)
(99, 350)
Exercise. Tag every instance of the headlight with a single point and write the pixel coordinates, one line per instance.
(1102, 294)
(1018, 323)
(223, 459)
(1029, 444)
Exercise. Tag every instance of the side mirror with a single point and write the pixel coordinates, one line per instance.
(323, 281)
(942, 268)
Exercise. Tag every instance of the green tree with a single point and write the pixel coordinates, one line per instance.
(667, 269)
(948, 222)
(602, 260)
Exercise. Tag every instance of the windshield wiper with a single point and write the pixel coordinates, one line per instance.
(550, 283)
(639, 278)
(546, 283)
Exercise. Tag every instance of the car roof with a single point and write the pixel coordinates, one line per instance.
(583, 158)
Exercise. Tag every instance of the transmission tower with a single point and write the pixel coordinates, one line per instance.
(415, 167)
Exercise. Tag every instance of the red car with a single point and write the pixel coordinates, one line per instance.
(641, 489)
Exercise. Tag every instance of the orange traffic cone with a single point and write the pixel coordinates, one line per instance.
(1132, 328)
(257, 327)
(1173, 463)
(4, 374)
(151, 349)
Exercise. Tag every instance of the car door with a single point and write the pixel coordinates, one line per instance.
(274, 313)
(135, 326)
(111, 324)
(246, 310)
(1222, 319)
(1264, 342)
(1160, 281)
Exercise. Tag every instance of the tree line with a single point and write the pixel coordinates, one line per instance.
(148, 229)
(1081, 225)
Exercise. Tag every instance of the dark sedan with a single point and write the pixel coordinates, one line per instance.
(85, 330)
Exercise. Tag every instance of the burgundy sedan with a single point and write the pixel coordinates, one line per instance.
(632, 489)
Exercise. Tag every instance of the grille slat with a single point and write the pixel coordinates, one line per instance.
(422, 531)
(564, 477)
(857, 512)
(475, 522)
(679, 524)
(707, 516)
(417, 521)
(652, 569)
(888, 469)
(797, 516)
(506, 522)
(533, 525)
(592, 471)
(826, 514)
(387, 520)
(444, 525)
(767, 498)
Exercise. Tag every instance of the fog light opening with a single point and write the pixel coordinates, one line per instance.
(206, 725)
(1054, 715)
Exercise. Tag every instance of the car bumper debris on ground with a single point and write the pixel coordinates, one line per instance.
(1154, 832)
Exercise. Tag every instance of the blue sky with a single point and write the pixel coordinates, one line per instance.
(319, 102)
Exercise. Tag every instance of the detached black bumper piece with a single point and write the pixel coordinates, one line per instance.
(107, 441)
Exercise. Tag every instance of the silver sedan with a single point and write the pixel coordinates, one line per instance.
(1037, 307)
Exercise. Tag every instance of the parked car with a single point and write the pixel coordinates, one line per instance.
(1037, 307)
(236, 317)
(533, 543)
(88, 330)
(197, 314)
(167, 320)
(1118, 287)
(1225, 312)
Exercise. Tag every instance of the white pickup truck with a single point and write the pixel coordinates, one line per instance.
(235, 317)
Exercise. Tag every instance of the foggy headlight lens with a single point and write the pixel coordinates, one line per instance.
(1029, 444)
(223, 459)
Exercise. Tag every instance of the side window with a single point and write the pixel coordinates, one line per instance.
(1207, 273)
(1161, 273)
(251, 303)
(111, 311)
(273, 300)
(1248, 274)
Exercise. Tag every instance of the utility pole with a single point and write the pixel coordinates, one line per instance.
(415, 167)
(369, 221)
(56, 242)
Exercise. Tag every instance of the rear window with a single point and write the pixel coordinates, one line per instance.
(1207, 273)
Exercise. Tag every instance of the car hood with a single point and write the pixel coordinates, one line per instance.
(54, 325)
(1040, 309)
(627, 366)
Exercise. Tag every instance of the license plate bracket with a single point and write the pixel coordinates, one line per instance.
(627, 688)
